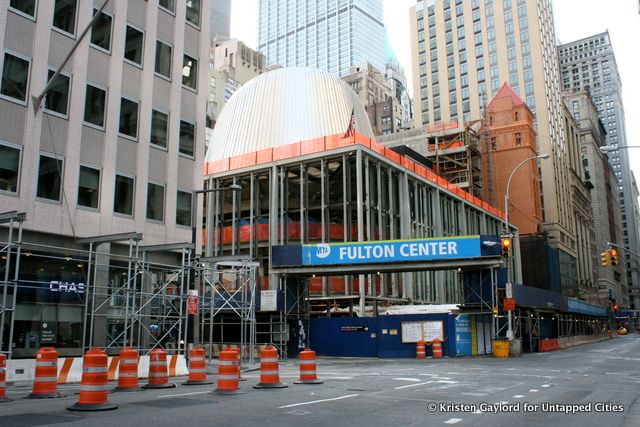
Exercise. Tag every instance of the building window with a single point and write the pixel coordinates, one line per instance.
(133, 45)
(15, 77)
(49, 173)
(57, 98)
(170, 5)
(88, 187)
(187, 137)
(159, 125)
(94, 105)
(183, 208)
(193, 12)
(155, 202)
(128, 118)
(518, 138)
(163, 59)
(64, 15)
(101, 31)
(189, 72)
(123, 195)
(9, 168)
(26, 7)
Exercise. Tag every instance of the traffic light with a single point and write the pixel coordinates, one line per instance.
(613, 257)
(506, 247)
(605, 259)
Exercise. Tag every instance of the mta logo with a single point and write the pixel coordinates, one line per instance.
(323, 250)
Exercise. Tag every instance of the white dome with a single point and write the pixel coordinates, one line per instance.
(284, 106)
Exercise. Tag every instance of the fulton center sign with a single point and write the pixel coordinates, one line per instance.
(392, 251)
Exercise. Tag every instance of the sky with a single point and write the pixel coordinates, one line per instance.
(574, 19)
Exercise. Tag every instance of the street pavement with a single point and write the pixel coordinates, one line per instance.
(590, 385)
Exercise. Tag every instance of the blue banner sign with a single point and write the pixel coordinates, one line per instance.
(391, 251)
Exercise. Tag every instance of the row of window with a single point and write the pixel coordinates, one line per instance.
(14, 81)
(15, 71)
(65, 11)
(134, 48)
(49, 187)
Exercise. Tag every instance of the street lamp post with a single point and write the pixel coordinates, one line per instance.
(196, 250)
(507, 232)
(610, 148)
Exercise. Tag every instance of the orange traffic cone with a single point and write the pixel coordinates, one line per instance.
(197, 367)
(128, 371)
(158, 377)
(45, 383)
(3, 379)
(227, 374)
(93, 388)
(269, 369)
(308, 368)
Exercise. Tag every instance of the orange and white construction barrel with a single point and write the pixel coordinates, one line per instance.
(158, 377)
(197, 367)
(436, 348)
(269, 369)
(421, 350)
(308, 372)
(93, 387)
(3, 379)
(227, 374)
(45, 382)
(128, 371)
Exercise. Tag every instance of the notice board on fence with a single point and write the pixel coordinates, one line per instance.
(422, 331)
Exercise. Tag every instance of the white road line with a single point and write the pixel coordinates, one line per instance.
(477, 412)
(318, 401)
(415, 380)
(533, 390)
(411, 385)
(546, 385)
(453, 420)
(518, 396)
(338, 378)
(183, 394)
(447, 382)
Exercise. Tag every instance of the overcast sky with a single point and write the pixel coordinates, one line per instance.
(574, 19)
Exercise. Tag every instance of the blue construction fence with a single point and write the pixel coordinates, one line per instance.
(382, 336)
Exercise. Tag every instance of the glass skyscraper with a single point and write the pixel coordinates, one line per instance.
(330, 35)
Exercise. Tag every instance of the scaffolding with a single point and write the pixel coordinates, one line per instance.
(122, 294)
(11, 255)
(229, 288)
(455, 155)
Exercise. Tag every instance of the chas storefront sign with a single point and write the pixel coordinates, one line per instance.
(66, 287)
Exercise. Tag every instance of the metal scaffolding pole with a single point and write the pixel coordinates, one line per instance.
(11, 218)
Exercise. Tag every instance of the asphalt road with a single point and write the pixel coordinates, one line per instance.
(590, 385)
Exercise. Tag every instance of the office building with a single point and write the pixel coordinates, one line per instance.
(231, 64)
(605, 206)
(330, 35)
(462, 53)
(590, 64)
(103, 166)
(219, 19)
